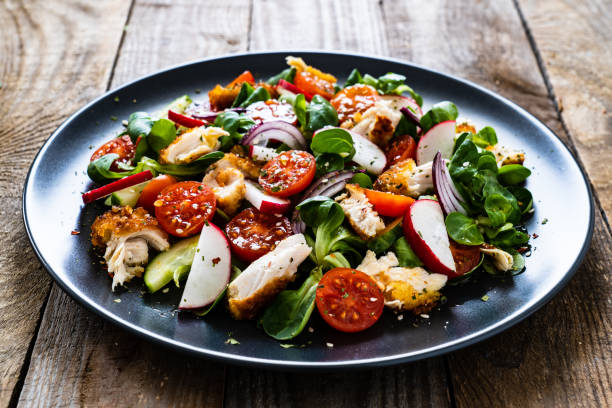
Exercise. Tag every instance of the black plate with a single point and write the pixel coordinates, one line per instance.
(52, 209)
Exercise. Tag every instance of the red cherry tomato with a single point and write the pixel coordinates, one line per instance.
(271, 110)
(313, 84)
(389, 204)
(253, 234)
(121, 146)
(349, 300)
(183, 208)
(152, 189)
(402, 148)
(466, 257)
(288, 173)
(246, 76)
(353, 99)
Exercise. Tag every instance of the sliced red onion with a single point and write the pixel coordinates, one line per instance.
(450, 199)
(328, 185)
(410, 115)
(277, 130)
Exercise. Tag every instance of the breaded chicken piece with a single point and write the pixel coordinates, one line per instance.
(378, 122)
(226, 178)
(505, 155)
(125, 232)
(192, 145)
(409, 289)
(406, 178)
(360, 212)
(263, 279)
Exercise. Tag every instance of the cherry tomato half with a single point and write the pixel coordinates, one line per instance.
(353, 99)
(313, 84)
(183, 208)
(253, 234)
(288, 173)
(349, 300)
(466, 257)
(401, 148)
(152, 189)
(121, 146)
(388, 204)
(271, 110)
(246, 76)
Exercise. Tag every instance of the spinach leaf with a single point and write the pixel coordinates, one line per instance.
(353, 78)
(405, 255)
(287, 315)
(336, 260)
(523, 197)
(99, 170)
(324, 216)
(362, 180)
(512, 174)
(383, 242)
(235, 124)
(245, 91)
(320, 113)
(405, 127)
(485, 137)
(440, 112)
(463, 229)
(328, 162)
(139, 124)
(163, 132)
(510, 239)
(299, 107)
(259, 94)
(336, 140)
(286, 74)
(388, 84)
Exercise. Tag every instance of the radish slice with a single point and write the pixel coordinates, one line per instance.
(264, 202)
(440, 138)
(261, 153)
(426, 233)
(110, 188)
(449, 197)
(367, 154)
(399, 101)
(210, 270)
(276, 130)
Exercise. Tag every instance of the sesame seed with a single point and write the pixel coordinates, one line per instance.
(330, 345)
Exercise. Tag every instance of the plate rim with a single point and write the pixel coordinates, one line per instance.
(230, 358)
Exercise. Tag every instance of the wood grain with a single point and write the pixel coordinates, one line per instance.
(44, 49)
(80, 360)
(577, 57)
(410, 385)
(561, 355)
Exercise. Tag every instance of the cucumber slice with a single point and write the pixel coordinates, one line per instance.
(174, 263)
(178, 105)
(127, 196)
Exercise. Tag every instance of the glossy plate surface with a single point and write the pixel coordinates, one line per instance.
(53, 208)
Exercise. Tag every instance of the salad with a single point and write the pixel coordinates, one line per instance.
(278, 197)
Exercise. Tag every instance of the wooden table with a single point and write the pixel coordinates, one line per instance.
(553, 57)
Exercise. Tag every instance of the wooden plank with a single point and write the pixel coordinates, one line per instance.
(80, 360)
(577, 57)
(339, 25)
(561, 355)
(45, 49)
(409, 385)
